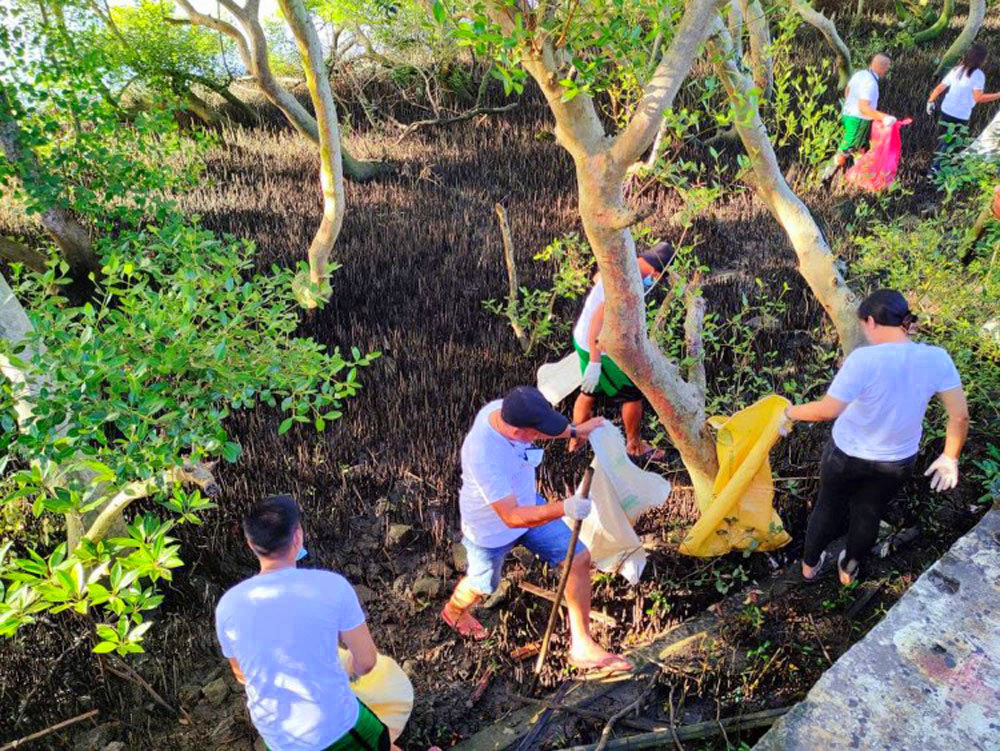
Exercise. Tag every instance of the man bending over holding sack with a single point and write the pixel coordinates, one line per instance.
(500, 509)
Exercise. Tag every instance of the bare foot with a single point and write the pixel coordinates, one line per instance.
(463, 622)
(593, 656)
(643, 450)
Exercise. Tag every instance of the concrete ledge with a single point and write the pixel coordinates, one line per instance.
(926, 677)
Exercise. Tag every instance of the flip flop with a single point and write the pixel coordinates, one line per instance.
(466, 626)
(609, 665)
(819, 570)
(653, 455)
(847, 572)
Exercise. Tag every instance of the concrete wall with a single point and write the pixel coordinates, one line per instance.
(927, 677)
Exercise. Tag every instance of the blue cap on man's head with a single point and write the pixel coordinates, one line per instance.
(525, 407)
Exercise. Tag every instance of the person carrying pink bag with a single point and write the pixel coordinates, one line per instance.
(876, 169)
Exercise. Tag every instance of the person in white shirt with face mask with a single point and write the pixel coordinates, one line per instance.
(501, 508)
(963, 90)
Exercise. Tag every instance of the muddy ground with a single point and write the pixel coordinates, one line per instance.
(420, 251)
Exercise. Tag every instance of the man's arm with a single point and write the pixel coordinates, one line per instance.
(864, 107)
(823, 410)
(525, 517)
(593, 335)
(358, 641)
(958, 421)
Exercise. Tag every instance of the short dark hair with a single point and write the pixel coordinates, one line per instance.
(887, 307)
(271, 525)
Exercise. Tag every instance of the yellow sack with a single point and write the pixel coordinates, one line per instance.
(739, 514)
(386, 690)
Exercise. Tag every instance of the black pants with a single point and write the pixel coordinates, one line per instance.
(853, 496)
(950, 131)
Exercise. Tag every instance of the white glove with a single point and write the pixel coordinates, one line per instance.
(591, 377)
(931, 107)
(888, 120)
(786, 426)
(576, 507)
(944, 473)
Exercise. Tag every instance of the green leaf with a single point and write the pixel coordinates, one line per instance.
(231, 452)
(104, 647)
(439, 12)
(285, 425)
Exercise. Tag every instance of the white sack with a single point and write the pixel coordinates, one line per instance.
(621, 493)
(557, 380)
(988, 142)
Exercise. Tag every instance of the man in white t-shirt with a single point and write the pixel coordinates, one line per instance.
(860, 108)
(501, 508)
(280, 631)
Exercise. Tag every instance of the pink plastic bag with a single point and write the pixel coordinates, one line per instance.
(876, 168)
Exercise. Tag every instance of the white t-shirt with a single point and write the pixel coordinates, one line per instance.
(492, 469)
(887, 388)
(959, 100)
(581, 332)
(283, 628)
(863, 85)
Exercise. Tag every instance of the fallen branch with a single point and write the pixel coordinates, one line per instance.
(636, 723)
(130, 675)
(508, 256)
(819, 640)
(15, 252)
(602, 743)
(459, 118)
(42, 733)
(595, 615)
(698, 731)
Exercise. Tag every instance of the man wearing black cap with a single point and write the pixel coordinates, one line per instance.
(601, 376)
(501, 508)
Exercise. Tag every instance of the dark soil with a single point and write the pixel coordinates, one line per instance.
(420, 251)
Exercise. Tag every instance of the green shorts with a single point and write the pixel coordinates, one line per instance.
(368, 734)
(856, 130)
(614, 384)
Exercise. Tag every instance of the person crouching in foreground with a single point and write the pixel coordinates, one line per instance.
(501, 508)
(280, 631)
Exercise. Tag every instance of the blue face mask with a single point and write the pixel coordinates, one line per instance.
(302, 553)
(647, 283)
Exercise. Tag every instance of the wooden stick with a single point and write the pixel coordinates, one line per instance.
(42, 733)
(636, 723)
(508, 256)
(588, 476)
(698, 731)
(595, 615)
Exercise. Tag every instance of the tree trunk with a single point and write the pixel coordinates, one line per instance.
(15, 252)
(827, 28)
(331, 170)
(759, 32)
(817, 264)
(602, 165)
(937, 28)
(71, 236)
(200, 108)
(254, 55)
(977, 14)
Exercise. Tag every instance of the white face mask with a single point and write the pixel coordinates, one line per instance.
(533, 456)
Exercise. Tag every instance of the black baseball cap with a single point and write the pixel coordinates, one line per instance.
(659, 256)
(525, 407)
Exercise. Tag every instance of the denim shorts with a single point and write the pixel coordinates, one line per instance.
(549, 542)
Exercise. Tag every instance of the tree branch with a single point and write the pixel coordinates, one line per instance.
(828, 29)
(694, 328)
(977, 14)
(816, 261)
(198, 474)
(17, 253)
(659, 92)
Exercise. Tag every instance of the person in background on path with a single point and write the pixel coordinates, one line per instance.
(601, 376)
(878, 400)
(963, 90)
(280, 631)
(860, 108)
(500, 508)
